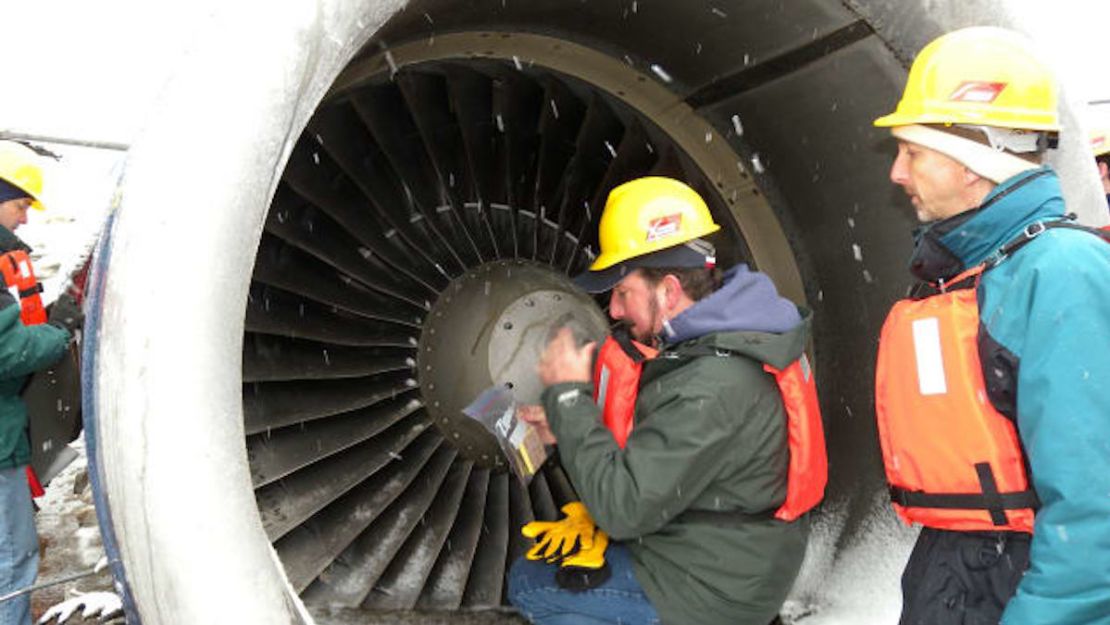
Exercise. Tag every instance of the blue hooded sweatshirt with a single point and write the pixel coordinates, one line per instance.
(746, 302)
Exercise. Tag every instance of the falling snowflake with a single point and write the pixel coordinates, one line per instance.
(661, 73)
(737, 126)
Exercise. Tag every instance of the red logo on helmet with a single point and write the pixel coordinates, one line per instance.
(977, 91)
(663, 227)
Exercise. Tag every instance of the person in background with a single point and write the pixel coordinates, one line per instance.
(992, 411)
(24, 349)
(1100, 146)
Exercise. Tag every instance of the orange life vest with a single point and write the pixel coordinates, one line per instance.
(952, 460)
(617, 384)
(15, 267)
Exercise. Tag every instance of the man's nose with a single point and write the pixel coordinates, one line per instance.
(899, 173)
(615, 310)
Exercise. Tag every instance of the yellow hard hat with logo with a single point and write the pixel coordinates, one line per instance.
(1100, 140)
(981, 76)
(20, 167)
(643, 219)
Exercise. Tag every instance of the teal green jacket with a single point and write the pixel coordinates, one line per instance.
(23, 351)
(709, 434)
(1045, 336)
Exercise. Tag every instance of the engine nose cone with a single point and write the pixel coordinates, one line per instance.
(489, 326)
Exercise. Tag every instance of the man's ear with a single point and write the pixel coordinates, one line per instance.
(1103, 170)
(672, 290)
(970, 177)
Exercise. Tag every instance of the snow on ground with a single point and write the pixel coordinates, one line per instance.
(69, 537)
(860, 583)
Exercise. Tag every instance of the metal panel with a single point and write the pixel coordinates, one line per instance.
(693, 42)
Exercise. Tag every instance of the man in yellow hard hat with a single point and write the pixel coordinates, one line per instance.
(20, 183)
(24, 349)
(690, 499)
(992, 413)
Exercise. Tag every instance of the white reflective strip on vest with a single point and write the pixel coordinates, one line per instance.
(930, 361)
(603, 385)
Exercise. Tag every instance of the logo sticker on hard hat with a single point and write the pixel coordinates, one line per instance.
(663, 227)
(977, 91)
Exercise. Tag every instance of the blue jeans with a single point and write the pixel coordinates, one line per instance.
(19, 545)
(621, 599)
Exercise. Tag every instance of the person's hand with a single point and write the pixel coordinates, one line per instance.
(564, 361)
(535, 416)
(66, 314)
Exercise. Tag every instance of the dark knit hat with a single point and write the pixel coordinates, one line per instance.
(9, 191)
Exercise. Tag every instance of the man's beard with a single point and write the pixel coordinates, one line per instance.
(647, 337)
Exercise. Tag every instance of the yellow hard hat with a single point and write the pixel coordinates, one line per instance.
(20, 166)
(981, 76)
(1100, 140)
(644, 217)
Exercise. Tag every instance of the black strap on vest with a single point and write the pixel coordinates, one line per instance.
(990, 499)
(1035, 229)
(624, 339)
(926, 289)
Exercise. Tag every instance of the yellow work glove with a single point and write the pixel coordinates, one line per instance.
(592, 557)
(587, 568)
(559, 539)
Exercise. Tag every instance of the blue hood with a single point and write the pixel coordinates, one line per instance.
(746, 302)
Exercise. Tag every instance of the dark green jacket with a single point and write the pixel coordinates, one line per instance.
(23, 351)
(709, 434)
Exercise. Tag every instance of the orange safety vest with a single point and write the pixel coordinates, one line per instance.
(617, 384)
(15, 267)
(952, 460)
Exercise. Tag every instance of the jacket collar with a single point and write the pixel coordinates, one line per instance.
(948, 247)
(10, 242)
